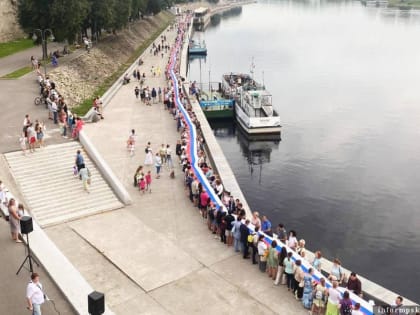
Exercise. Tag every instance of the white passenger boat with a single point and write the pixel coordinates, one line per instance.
(253, 104)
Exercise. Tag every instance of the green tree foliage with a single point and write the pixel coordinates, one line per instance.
(67, 18)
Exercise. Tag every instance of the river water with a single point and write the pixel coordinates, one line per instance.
(345, 80)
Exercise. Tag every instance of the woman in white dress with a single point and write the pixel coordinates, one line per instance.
(149, 157)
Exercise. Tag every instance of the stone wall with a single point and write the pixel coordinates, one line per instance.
(9, 26)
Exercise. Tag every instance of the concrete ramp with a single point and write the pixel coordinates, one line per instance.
(51, 191)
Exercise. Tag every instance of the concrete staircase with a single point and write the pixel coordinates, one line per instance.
(51, 191)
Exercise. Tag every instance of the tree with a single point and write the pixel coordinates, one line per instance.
(122, 12)
(34, 14)
(67, 18)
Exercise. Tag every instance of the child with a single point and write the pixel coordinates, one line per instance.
(22, 141)
(149, 181)
(142, 184)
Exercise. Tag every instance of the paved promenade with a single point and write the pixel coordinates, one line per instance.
(157, 256)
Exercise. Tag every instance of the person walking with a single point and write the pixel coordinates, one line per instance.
(169, 162)
(158, 165)
(148, 178)
(35, 295)
(149, 156)
(79, 160)
(85, 176)
(137, 92)
(131, 142)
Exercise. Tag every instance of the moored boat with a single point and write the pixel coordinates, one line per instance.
(197, 48)
(253, 104)
(215, 106)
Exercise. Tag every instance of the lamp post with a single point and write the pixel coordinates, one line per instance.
(44, 43)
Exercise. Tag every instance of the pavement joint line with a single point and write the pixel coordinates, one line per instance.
(102, 253)
(243, 291)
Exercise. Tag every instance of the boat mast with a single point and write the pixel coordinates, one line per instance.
(252, 68)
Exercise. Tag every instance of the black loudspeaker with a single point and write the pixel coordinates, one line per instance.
(96, 303)
(26, 226)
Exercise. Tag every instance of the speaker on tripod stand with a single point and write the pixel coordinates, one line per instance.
(26, 227)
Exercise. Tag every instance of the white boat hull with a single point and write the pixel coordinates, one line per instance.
(257, 125)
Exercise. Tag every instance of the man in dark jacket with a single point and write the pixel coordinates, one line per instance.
(244, 238)
(354, 284)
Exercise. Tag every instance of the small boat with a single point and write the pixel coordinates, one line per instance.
(215, 106)
(253, 104)
(197, 48)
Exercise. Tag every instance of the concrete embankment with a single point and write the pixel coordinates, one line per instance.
(379, 294)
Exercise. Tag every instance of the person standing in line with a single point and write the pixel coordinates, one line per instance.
(35, 296)
(272, 260)
(288, 270)
(14, 221)
(262, 248)
(266, 226)
(148, 178)
(292, 242)
(237, 234)
(334, 297)
(254, 245)
(316, 263)
(244, 231)
(137, 92)
(158, 165)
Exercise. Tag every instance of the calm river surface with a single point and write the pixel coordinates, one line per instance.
(346, 81)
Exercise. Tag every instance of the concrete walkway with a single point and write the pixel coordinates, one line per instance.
(22, 59)
(157, 256)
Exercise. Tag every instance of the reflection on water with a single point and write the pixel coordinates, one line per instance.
(255, 149)
(344, 79)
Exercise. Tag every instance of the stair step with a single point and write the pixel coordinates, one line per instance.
(76, 215)
(50, 189)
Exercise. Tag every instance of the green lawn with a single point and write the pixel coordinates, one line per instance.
(15, 46)
(18, 73)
